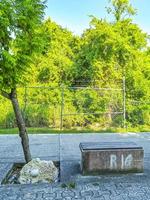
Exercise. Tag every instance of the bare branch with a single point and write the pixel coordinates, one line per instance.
(4, 94)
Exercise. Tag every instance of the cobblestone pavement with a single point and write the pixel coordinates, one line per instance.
(95, 191)
(66, 148)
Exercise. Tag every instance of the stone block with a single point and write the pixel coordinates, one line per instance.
(111, 157)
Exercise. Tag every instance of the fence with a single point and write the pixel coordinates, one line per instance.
(104, 112)
(68, 107)
(76, 107)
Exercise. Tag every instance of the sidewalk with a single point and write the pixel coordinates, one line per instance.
(66, 149)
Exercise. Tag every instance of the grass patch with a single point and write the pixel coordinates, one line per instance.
(76, 131)
(54, 131)
(71, 185)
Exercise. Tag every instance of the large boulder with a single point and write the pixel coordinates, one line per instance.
(38, 171)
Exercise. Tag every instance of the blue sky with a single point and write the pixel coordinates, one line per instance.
(74, 14)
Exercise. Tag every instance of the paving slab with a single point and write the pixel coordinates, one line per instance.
(66, 149)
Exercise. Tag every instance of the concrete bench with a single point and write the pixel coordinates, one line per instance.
(109, 157)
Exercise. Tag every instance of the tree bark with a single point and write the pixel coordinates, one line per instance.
(21, 125)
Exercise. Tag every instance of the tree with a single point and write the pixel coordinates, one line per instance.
(111, 50)
(121, 9)
(54, 66)
(19, 40)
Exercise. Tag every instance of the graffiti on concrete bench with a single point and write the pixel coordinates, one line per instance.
(126, 161)
(97, 158)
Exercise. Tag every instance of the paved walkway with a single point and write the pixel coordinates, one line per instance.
(66, 148)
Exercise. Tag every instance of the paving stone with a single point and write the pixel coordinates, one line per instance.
(68, 193)
(48, 195)
(79, 198)
(112, 187)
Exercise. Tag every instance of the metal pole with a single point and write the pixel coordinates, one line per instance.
(25, 102)
(62, 107)
(124, 102)
(61, 125)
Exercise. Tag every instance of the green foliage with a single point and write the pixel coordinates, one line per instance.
(121, 9)
(60, 61)
(19, 39)
(54, 67)
(70, 185)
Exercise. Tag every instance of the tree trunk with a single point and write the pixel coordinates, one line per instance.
(21, 126)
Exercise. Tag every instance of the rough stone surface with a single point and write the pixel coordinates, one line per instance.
(38, 171)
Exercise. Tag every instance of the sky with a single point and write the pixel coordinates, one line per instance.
(74, 14)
